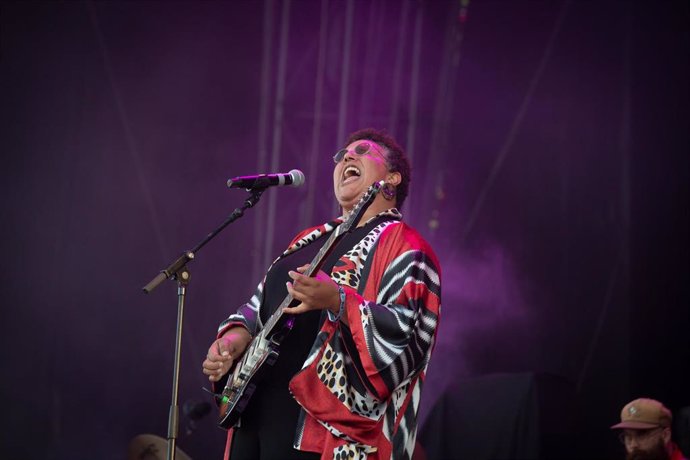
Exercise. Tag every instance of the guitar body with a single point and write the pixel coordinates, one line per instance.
(264, 349)
(241, 385)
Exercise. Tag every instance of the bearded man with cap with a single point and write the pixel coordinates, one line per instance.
(646, 431)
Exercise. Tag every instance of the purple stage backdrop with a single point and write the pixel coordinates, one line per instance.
(549, 142)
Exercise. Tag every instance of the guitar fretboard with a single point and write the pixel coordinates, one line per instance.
(315, 265)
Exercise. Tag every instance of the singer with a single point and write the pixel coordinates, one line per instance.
(347, 382)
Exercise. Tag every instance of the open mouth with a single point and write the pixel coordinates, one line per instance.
(351, 174)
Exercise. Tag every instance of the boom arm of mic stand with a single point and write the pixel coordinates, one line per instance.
(177, 265)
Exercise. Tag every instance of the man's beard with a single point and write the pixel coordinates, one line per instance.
(657, 452)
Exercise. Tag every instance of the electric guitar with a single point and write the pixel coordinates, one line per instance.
(264, 349)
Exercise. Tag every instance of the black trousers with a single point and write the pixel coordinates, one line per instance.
(267, 428)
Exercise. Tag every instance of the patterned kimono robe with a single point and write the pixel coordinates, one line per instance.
(360, 386)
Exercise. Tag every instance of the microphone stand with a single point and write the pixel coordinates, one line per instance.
(178, 271)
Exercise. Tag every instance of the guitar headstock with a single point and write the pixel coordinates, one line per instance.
(361, 207)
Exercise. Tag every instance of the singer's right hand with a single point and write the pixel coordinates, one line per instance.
(224, 351)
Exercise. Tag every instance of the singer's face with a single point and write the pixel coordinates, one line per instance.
(363, 163)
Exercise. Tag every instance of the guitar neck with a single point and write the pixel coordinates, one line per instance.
(315, 265)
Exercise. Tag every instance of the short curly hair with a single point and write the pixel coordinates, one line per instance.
(395, 155)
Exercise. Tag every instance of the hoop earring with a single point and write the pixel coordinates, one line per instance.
(388, 191)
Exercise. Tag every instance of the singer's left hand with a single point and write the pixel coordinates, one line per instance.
(319, 292)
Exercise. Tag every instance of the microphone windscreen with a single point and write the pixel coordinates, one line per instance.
(297, 177)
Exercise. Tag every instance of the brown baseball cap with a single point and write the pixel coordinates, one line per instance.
(644, 413)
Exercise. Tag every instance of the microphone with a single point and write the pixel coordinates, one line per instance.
(295, 178)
